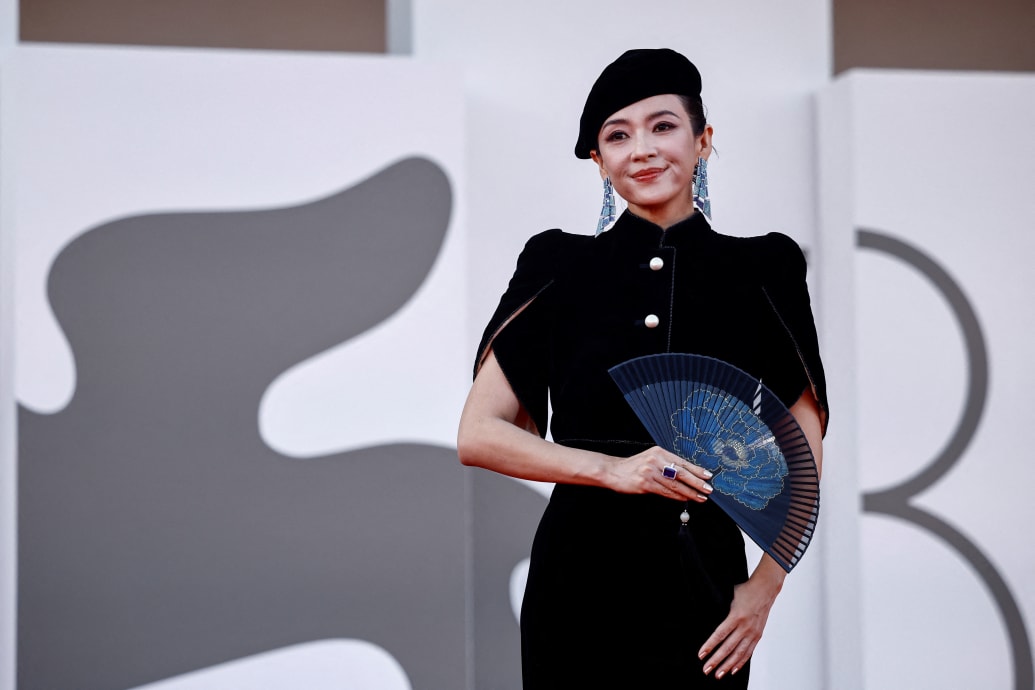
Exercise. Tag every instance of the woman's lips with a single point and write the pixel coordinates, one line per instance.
(648, 175)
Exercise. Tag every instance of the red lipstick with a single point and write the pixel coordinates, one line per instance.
(647, 174)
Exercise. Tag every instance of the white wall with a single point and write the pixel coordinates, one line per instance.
(8, 471)
(835, 280)
(944, 163)
(8, 23)
(8, 475)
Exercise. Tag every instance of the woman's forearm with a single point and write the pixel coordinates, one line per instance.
(501, 446)
(768, 575)
(491, 435)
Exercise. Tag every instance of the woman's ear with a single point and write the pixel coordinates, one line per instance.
(704, 142)
(600, 164)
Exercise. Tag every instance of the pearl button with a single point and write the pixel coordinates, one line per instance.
(656, 264)
(651, 321)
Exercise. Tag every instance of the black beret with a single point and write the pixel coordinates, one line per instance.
(636, 75)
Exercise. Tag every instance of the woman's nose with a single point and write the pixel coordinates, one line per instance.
(643, 145)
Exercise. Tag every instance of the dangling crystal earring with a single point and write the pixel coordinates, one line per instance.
(701, 201)
(607, 211)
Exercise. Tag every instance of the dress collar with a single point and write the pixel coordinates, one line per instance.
(631, 229)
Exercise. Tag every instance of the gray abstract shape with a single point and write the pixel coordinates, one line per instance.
(158, 534)
(507, 515)
(896, 501)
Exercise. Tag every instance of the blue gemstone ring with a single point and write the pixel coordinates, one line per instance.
(670, 471)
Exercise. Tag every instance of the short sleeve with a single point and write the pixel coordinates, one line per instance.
(518, 332)
(788, 294)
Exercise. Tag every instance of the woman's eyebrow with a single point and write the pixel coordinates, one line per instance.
(652, 116)
(662, 113)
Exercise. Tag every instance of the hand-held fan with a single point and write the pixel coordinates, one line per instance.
(721, 418)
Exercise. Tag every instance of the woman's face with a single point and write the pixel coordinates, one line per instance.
(649, 150)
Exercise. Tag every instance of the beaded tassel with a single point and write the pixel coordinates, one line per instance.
(607, 211)
(701, 201)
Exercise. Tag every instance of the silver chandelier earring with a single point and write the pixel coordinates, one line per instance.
(607, 210)
(701, 201)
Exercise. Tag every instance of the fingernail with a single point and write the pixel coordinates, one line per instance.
(734, 671)
(720, 674)
(702, 654)
(708, 669)
(708, 474)
(703, 497)
(707, 487)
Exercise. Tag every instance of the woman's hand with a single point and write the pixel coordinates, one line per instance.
(645, 473)
(733, 642)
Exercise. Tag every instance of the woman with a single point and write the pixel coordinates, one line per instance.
(611, 600)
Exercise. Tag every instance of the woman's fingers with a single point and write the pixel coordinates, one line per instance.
(659, 472)
(677, 478)
(697, 471)
(731, 655)
(676, 488)
(692, 475)
(734, 640)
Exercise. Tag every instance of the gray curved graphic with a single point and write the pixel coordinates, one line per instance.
(506, 515)
(158, 534)
(895, 501)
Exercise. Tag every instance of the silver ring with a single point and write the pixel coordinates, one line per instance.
(670, 471)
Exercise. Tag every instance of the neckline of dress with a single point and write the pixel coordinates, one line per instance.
(641, 230)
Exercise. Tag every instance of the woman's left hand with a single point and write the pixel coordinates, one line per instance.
(733, 642)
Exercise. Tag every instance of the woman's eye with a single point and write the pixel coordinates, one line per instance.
(664, 126)
(616, 135)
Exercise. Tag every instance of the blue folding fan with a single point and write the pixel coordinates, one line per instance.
(721, 418)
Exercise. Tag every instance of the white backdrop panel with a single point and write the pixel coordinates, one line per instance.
(94, 134)
(170, 130)
(944, 163)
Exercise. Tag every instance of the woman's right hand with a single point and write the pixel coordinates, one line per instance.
(643, 473)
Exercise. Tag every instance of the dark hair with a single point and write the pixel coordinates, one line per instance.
(695, 109)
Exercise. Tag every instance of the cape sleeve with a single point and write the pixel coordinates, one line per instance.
(788, 295)
(518, 332)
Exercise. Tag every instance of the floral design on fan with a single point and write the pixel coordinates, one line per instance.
(722, 434)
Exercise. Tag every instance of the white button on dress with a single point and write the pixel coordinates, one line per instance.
(651, 321)
(657, 263)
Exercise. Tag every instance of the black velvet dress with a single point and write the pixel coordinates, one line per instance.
(613, 599)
